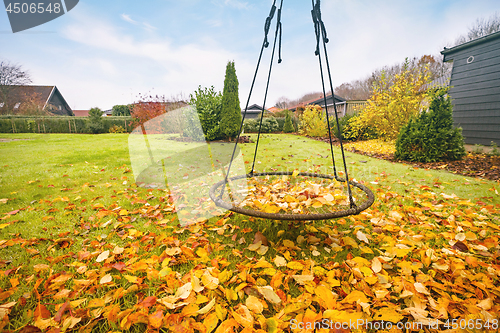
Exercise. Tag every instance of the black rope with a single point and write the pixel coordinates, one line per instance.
(320, 30)
(267, 88)
(268, 23)
(265, 44)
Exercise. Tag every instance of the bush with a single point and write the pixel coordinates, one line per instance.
(121, 110)
(288, 126)
(431, 137)
(57, 124)
(269, 125)
(117, 129)
(207, 103)
(313, 122)
(95, 125)
(394, 100)
(354, 129)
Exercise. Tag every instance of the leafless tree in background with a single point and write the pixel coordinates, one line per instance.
(11, 75)
(481, 28)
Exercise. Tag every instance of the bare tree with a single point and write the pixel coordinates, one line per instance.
(283, 102)
(11, 75)
(480, 28)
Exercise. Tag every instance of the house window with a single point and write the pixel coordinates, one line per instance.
(60, 108)
(2, 104)
(17, 105)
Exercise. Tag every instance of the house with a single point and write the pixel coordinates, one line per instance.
(81, 113)
(45, 96)
(475, 88)
(253, 112)
(341, 104)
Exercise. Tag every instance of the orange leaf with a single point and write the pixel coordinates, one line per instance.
(42, 312)
(227, 326)
(156, 319)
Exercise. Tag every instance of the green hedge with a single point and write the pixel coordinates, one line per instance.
(63, 124)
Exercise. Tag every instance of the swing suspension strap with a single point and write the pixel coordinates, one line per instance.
(321, 35)
(265, 44)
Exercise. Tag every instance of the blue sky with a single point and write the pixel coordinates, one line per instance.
(104, 53)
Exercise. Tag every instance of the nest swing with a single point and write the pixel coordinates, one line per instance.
(294, 195)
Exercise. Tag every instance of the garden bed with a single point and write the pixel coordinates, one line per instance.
(473, 165)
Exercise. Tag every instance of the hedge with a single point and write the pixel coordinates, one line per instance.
(62, 124)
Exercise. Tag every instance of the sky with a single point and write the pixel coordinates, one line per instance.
(104, 53)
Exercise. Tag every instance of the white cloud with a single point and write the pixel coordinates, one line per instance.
(127, 18)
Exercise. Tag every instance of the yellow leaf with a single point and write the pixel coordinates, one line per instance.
(207, 307)
(295, 173)
(103, 256)
(295, 265)
(362, 237)
(254, 304)
(209, 281)
(96, 303)
(123, 212)
(355, 296)
(262, 250)
(184, 291)
(421, 288)
(376, 265)
(255, 246)
(388, 314)
(243, 316)
(106, 279)
(343, 316)
(131, 278)
(302, 279)
(349, 241)
(269, 294)
(211, 322)
(280, 261)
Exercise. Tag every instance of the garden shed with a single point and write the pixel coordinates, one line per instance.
(475, 88)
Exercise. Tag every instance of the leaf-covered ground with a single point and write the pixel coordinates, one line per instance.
(480, 165)
(84, 249)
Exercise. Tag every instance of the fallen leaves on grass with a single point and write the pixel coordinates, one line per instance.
(414, 257)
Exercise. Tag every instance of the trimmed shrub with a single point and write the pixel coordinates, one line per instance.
(231, 112)
(54, 124)
(431, 137)
(269, 125)
(288, 126)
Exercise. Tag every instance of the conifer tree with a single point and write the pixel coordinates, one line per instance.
(288, 127)
(431, 137)
(231, 112)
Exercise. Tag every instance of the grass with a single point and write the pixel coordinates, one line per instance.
(77, 198)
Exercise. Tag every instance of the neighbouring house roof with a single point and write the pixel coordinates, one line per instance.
(81, 113)
(254, 108)
(46, 95)
(442, 81)
(321, 102)
(274, 109)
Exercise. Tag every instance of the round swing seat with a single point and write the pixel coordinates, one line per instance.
(291, 196)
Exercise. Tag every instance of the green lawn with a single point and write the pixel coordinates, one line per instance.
(82, 247)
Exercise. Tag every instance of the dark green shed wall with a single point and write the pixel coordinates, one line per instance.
(475, 88)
